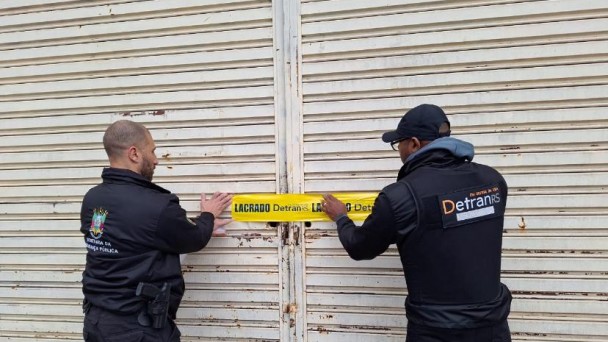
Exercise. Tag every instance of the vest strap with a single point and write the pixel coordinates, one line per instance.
(468, 316)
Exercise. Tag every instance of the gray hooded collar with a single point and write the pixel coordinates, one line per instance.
(458, 148)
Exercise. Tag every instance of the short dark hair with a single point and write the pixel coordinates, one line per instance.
(123, 134)
(444, 129)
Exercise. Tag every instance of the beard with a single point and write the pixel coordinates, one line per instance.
(147, 169)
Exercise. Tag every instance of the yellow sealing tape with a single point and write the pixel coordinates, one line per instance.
(297, 207)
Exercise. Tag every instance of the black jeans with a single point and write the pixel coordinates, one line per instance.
(104, 326)
(497, 333)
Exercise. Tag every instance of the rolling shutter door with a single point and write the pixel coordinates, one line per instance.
(525, 81)
(199, 75)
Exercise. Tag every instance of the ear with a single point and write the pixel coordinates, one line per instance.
(416, 144)
(133, 154)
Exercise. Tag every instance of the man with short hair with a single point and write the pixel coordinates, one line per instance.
(134, 231)
(446, 215)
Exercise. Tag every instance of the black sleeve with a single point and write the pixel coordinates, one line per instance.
(387, 224)
(178, 234)
(83, 213)
(374, 236)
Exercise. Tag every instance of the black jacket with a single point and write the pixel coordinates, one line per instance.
(134, 231)
(452, 267)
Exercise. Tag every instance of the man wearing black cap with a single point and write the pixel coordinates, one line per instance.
(446, 215)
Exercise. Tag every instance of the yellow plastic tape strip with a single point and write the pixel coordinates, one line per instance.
(294, 207)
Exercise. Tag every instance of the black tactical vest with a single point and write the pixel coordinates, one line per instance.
(121, 253)
(452, 259)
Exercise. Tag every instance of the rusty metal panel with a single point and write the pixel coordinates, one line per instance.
(200, 76)
(524, 81)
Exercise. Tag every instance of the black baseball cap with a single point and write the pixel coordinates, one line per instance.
(422, 122)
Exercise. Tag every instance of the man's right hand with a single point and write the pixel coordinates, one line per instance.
(333, 207)
(218, 227)
(218, 202)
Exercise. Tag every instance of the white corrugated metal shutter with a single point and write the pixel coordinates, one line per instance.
(200, 75)
(526, 82)
(523, 80)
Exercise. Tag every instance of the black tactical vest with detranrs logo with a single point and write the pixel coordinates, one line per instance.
(453, 255)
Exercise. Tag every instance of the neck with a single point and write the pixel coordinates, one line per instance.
(119, 164)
